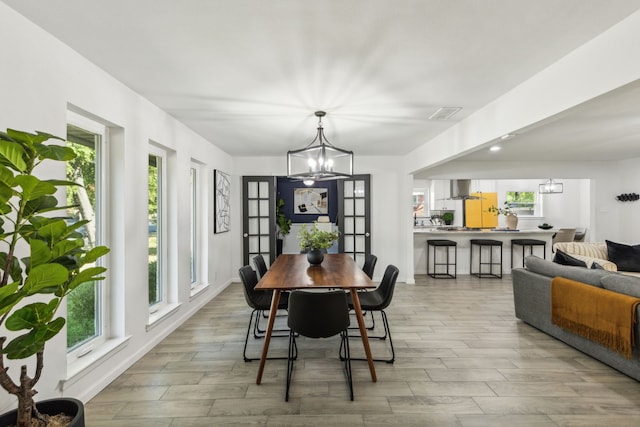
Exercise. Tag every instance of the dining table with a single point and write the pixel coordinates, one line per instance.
(337, 271)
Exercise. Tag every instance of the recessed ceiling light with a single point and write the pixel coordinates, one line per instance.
(495, 148)
(507, 136)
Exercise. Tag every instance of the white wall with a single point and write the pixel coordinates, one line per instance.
(43, 79)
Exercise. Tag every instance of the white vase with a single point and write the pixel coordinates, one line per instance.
(512, 221)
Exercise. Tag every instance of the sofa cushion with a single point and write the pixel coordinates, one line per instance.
(626, 257)
(588, 249)
(566, 259)
(622, 284)
(551, 269)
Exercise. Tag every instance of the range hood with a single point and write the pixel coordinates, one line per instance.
(460, 189)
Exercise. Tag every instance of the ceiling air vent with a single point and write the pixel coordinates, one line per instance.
(444, 113)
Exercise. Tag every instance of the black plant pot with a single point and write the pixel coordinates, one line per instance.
(67, 405)
(279, 244)
(315, 256)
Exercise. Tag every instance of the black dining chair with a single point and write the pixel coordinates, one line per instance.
(318, 315)
(259, 301)
(378, 300)
(260, 265)
(369, 266)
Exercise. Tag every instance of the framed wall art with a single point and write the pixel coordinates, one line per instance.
(309, 200)
(221, 201)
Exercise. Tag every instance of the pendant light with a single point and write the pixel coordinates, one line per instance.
(550, 187)
(320, 160)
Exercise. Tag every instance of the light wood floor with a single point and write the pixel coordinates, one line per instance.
(463, 359)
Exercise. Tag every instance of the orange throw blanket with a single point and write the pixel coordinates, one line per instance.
(602, 316)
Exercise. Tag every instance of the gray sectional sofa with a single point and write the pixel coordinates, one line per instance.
(532, 299)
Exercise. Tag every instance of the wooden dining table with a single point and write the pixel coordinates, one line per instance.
(293, 271)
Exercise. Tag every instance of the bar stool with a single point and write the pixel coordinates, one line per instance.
(485, 243)
(528, 243)
(447, 245)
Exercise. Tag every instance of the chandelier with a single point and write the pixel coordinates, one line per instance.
(320, 160)
(550, 187)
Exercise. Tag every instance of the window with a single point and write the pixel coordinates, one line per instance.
(86, 304)
(523, 203)
(156, 227)
(193, 229)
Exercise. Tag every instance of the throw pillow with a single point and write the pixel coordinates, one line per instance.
(566, 259)
(626, 257)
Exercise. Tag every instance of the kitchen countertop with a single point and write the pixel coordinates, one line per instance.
(481, 231)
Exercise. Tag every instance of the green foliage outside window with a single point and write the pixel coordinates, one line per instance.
(82, 302)
(521, 202)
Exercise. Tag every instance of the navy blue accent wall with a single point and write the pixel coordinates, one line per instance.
(284, 191)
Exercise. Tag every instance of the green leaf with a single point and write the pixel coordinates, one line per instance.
(45, 275)
(10, 295)
(33, 188)
(6, 193)
(23, 346)
(62, 183)
(52, 230)
(29, 344)
(40, 205)
(13, 153)
(31, 316)
(95, 253)
(66, 247)
(40, 253)
(87, 275)
(15, 270)
(55, 152)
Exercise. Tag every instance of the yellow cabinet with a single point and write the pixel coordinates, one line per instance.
(477, 211)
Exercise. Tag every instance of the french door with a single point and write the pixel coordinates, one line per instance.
(259, 207)
(354, 216)
(258, 213)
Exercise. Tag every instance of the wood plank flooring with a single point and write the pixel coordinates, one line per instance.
(462, 359)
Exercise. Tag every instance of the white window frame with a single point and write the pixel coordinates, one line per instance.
(103, 320)
(194, 222)
(537, 203)
(201, 228)
(162, 229)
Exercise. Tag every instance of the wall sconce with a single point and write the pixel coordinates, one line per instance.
(550, 187)
(628, 197)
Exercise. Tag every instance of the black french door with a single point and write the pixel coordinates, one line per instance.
(354, 216)
(258, 213)
(259, 206)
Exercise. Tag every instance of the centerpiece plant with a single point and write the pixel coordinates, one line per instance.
(42, 259)
(315, 242)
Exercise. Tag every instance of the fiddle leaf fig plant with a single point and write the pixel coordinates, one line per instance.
(42, 259)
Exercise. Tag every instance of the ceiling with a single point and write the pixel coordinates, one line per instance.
(248, 74)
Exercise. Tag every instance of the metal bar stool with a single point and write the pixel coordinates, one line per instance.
(447, 245)
(528, 243)
(485, 243)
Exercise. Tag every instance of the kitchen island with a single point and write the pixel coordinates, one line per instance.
(463, 236)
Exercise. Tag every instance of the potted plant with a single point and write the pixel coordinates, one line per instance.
(510, 217)
(447, 217)
(42, 259)
(315, 242)
(284, 226)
